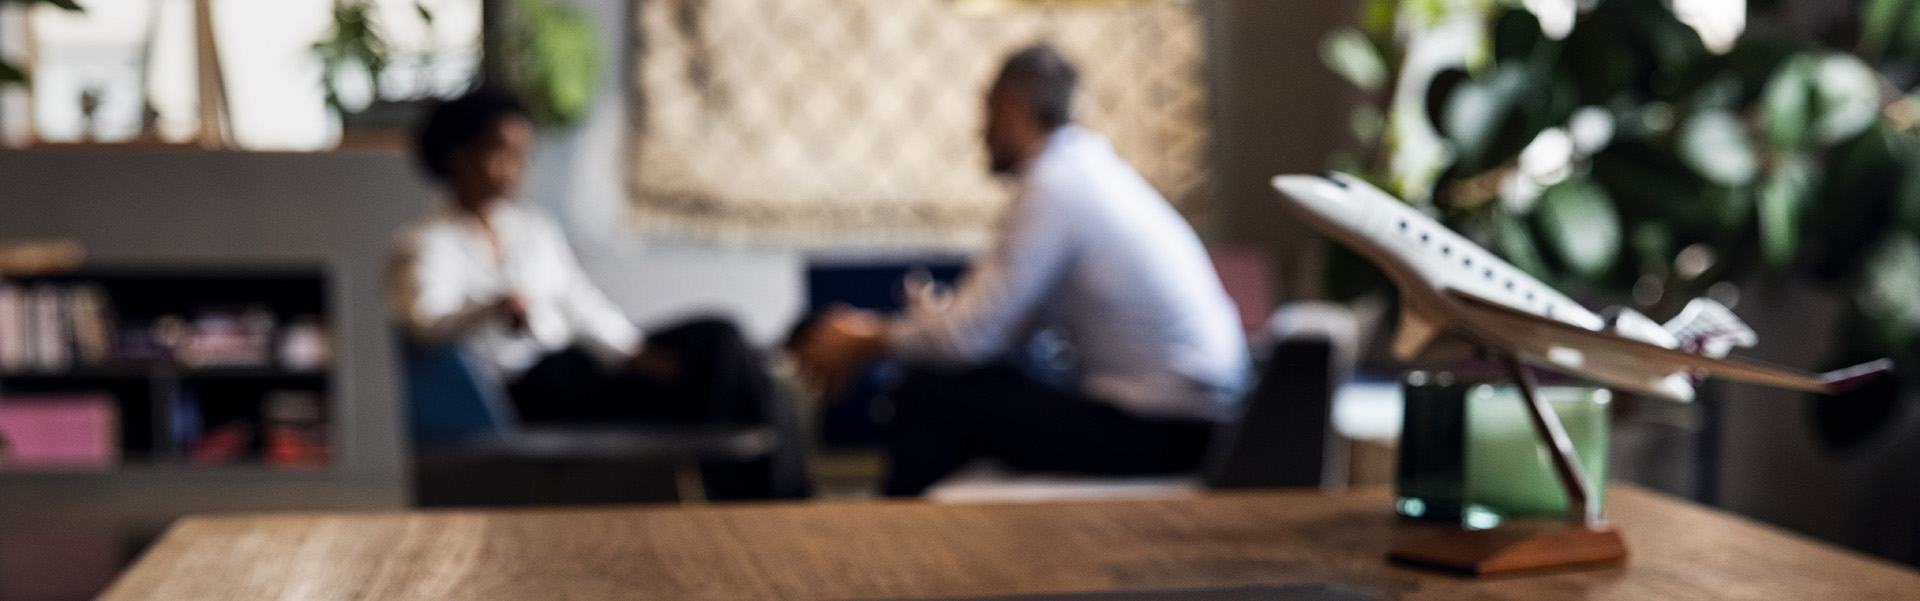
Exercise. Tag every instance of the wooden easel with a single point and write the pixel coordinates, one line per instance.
(1585, 539)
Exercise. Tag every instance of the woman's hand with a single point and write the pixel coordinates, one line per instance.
(514, 310)
(838, 346)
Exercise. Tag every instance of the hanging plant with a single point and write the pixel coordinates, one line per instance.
(552, 60)
(354, 49)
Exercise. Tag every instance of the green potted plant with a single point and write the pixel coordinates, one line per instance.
(547, 54)
(356, 50)
(1632, 156)
(10, 73)
(551, 60)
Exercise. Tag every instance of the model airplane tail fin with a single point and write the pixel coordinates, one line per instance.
(1849, 378)
(1709, 328)
(1629, 323)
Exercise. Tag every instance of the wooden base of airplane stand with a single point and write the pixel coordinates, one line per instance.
(1584, 539)
(1515, 548)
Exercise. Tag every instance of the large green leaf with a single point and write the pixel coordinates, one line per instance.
(1595, 57)
(1581, 225)
(1783, 197)
(1890, 289)
(1366, 123)
(1517, 35)
(1715, 146)
(1731, 208)
(1440, 91)
(1849, 94)
(1485, 119)
(1378, 18)
(1861, 175)
(1471, 115)
(10, 74)
(1349, 54)
(1720, 92)
(1907, 198)
(559, 60)
(1880, 22)
(1675, 47)
(1823, 98)
(1786, 104)
(1653, 244)
(1650, 184)
(1517, 244)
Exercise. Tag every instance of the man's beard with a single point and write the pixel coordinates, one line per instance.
(1001, 163)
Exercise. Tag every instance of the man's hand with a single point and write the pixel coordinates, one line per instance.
(656, 364)
(514, 309)
(838, 346)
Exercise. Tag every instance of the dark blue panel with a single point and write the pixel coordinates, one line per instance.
(854, 419)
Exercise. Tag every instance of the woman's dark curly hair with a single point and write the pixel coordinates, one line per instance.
(457, 123)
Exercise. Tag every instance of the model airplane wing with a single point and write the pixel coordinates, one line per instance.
(1570, 348)
(1451, 288)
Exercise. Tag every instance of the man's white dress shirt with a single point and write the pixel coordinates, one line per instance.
(1089, 248)
(446, 281)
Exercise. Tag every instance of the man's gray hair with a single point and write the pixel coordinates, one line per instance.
(1048, 81)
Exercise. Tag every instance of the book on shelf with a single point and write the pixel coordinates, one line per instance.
(93, 325)
(52, 326)
(52, 333)
(48, 327)
(14, 338)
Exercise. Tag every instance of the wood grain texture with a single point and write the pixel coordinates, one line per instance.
(878, 550)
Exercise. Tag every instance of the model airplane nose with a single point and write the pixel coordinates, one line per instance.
(1310, 190)
(1316, 194)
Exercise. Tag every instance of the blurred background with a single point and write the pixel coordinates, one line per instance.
(197, 198)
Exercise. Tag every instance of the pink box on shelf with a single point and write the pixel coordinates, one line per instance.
(59, 432)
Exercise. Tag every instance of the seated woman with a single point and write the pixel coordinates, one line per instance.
(496, 277)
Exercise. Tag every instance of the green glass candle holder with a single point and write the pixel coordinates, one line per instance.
(1470, 455)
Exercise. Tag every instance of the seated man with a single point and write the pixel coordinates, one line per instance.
(1088, 249)
(492, 275)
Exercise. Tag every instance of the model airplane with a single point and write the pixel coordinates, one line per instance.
(1452, 287)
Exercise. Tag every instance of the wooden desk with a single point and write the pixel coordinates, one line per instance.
(906, 549)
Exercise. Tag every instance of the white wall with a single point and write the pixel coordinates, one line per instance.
(579, 173)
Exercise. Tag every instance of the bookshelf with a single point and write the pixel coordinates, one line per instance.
(172, 370)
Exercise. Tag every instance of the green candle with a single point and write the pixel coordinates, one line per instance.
(1469, 453)
(1508, 470)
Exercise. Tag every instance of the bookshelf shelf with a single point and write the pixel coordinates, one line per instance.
(120, 351)
(166, 470)
(240, 373)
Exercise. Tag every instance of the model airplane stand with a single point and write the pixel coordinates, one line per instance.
(1584, 540)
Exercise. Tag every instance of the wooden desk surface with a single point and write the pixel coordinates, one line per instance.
(909, 549)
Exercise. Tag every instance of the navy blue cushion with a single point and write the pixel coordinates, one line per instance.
(450, 399)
